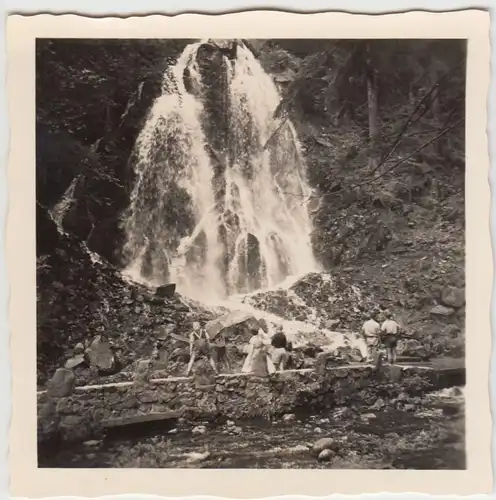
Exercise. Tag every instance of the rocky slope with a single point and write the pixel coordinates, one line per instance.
(81, 296)
(396, 244)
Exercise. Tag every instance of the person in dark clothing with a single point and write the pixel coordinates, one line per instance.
(280, 355)
(199, 346)
(390, 331)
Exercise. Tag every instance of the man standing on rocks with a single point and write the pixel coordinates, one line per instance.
(280, 355)
(371, 332)
(199, 346)
(390, 331)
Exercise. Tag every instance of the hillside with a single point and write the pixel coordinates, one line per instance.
(387, 207)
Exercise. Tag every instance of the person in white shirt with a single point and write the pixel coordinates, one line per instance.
(370, 332)
(390, 331)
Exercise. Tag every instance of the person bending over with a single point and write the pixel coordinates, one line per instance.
(199, 347)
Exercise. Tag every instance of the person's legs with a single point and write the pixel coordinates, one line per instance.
(284, 360)
(389, 351)
(367, 354)
(190, 364)
(377, 361)
(373, 352)
(393, 355)
(226, 360)
(212, 364)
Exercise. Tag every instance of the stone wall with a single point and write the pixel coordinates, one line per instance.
(80, 412)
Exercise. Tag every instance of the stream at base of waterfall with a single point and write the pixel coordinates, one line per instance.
(429, 438)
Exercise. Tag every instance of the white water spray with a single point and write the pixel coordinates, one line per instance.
(219, 222)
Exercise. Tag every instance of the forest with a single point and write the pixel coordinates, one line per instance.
(381, 123)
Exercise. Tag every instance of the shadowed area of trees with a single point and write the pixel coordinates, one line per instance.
(92, 98)
(381, 123)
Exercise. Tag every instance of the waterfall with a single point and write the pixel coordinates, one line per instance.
(219, 198)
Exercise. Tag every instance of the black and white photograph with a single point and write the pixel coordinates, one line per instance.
(251, 253)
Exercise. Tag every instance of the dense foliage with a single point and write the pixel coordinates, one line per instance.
(382, 122)
(382, 128)
(92, 97)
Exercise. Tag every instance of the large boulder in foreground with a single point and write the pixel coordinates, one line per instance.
(101, 356)
(62, 383)
(221, 325)
(442, 311)
(453, 297)
(325, 444)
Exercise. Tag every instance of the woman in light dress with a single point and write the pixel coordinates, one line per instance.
(258, 361)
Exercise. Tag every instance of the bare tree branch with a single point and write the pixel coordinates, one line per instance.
(420, 148)
(411, 121)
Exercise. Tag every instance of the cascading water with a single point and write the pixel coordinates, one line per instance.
(218, 204)
(218, 201)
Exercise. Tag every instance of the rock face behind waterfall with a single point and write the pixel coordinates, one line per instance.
(213, 149)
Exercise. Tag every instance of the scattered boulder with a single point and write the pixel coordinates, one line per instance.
(164, 332)
(324, 444)
(48, 421)
(442, 311)
(395, 374)
(197, 457)
(451, 330)
(101, 356)
(75, 361)
(203, 375)
(75, 428)
(413, 348)
(199, 429)
(321, 362)
(166, 291)
(93, 443)
(378, 405)
(349, 354)
(340, 413)
(368, 416)
(326, 455)
(143, 370)
(289, 417)
(230, 320)
(62, 383)
(453, 297)
(311, 350)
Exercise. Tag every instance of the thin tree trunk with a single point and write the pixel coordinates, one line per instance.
(435, 96)
(372, 91)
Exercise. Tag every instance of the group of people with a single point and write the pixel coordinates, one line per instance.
(379, 336)
(265, 355)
